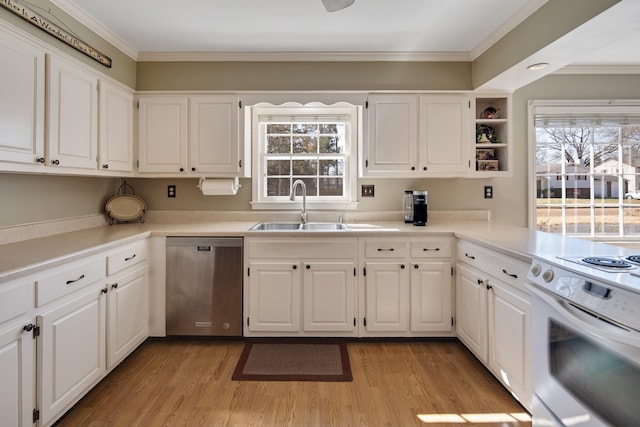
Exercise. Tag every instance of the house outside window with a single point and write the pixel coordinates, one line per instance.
(587, 167)
(314, 143)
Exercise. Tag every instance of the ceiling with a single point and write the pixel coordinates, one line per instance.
(457, 30)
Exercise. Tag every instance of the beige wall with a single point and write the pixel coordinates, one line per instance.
(33, 198)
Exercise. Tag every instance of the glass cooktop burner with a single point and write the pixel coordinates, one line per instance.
(607, 262)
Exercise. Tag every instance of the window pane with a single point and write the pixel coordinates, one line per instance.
(578, 220)
(606, 220)
(312, 187)
(278, 186)
(331, 186)
(631, 219)
(278, 167)
(301, 128)
(304, 167)
(305, 144)
(332, 167)
(278, 144)
(549, 218)
(279, 128)
(332, 144)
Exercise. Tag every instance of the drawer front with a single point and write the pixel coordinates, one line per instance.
(304, 247)
(67, 279)
(16, 299)
(501, 266)
(380, 248)
(128, 256)
(431, 248)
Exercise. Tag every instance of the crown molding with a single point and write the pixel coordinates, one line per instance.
(599, 69)
(517, 19)
(276, 56)
(70, 8)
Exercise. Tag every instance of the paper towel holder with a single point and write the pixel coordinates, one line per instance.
(232, 190)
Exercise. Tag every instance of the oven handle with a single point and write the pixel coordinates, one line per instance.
(588, 323)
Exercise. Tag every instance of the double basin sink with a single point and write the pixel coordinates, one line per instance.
(290, 226)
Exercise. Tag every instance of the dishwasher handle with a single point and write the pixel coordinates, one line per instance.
(204, 248)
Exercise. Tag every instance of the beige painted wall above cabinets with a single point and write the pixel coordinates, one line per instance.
(332, 76)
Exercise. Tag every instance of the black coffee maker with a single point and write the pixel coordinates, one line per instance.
(420, 208)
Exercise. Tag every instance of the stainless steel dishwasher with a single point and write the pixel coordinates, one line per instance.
(204, 286)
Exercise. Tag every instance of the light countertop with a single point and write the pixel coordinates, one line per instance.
(29, 256)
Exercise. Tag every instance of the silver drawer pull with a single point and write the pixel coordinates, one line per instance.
(515, 276)
(130, 258)
(430, 249)
(73, 281)
(385, 250)
(469, 256)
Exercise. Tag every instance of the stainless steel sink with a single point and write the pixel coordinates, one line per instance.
(288, 226)
(319, 226)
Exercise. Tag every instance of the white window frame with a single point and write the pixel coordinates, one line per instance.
(353, 133)
(565, 107)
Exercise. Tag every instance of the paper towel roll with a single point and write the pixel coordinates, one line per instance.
(219, 186)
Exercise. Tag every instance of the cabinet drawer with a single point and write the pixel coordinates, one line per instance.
(130, 255)
(501, 266)
(431, 248)
(16, 299)
(385, 249)
(67, 279)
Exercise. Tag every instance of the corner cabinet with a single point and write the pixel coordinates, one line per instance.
(492, 141)
(411, 135)
(198, 135)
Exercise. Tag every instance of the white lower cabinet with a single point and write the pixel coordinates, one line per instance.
(127, 314)
(71, 355)
(407, 287)
(493, 315)
(300, 287)
(17, 353)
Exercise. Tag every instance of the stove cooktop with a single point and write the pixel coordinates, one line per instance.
(611, 264)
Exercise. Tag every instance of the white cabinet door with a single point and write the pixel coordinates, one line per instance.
(22, 101)
(329, 296)
(509, 339)
(17, 370)
(71, 352)
(116, 129)
(128, 314)
(214, 140)
(444, 134)
(162, 139)
(387, 297)
(471, 311)
(73, 115)
(431, 296)
(274, 302)
(391, 147)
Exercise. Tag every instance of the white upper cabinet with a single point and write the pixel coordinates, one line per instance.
(116, 129)
(22, 101)
(214, 140)
(391, 147)
(162, 133)
(411, 135)
(444, 135)
(190, 135)
(73, 115)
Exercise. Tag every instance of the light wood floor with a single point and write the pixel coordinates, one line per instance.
(188, 383)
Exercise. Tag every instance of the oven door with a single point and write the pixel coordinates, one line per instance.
(586, 371)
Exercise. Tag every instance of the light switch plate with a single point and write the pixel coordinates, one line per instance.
(368, 190)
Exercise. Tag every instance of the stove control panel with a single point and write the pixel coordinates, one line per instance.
(617, 304)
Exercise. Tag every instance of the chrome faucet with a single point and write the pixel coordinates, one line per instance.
(292, 196)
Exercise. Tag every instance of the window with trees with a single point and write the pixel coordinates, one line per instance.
(587, 168)
(314, 143)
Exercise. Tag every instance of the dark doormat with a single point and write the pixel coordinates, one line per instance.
(293, 360)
